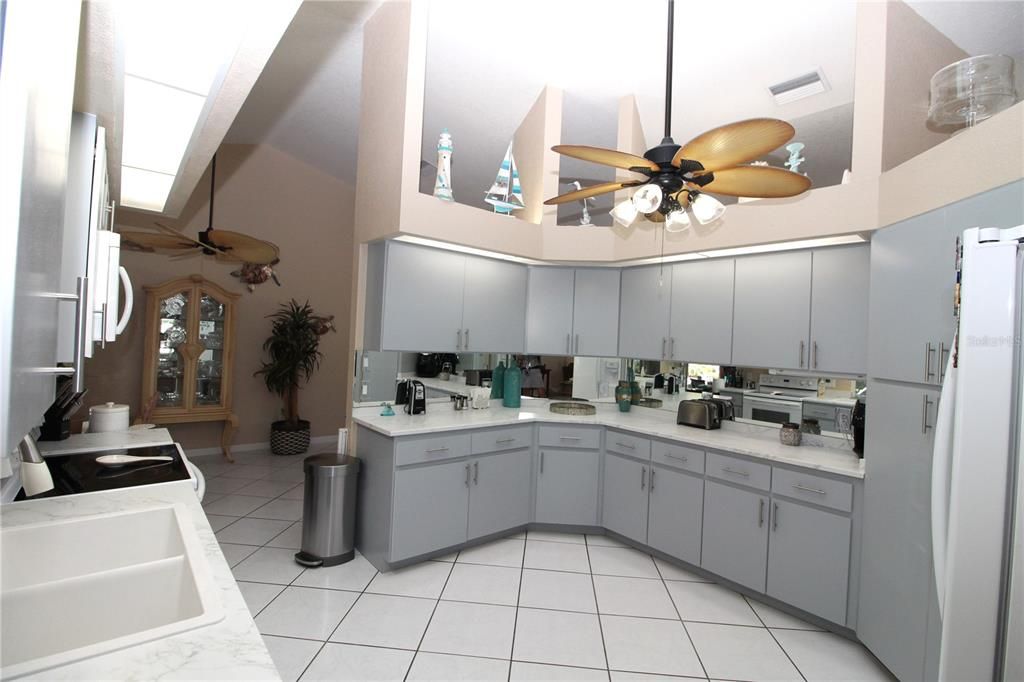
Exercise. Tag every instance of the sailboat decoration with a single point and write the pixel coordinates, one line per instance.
(505, 194)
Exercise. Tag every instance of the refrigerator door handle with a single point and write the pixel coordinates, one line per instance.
(942, 462)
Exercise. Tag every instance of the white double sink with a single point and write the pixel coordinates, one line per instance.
(79, 588)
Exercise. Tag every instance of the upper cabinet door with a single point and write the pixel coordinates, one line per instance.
(422, 299)
(912, 280)
(549, 311)
(772, 310)
(644, 311)
(702, 298)
(494, 306)
(839, 309)
(596, 312)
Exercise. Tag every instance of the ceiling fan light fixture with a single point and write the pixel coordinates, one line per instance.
(677, 220)
(707, 209)
(648, 198)
(625, 213)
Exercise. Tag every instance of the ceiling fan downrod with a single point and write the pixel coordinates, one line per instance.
(668, 73)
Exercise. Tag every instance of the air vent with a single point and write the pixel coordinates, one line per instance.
(802, 86)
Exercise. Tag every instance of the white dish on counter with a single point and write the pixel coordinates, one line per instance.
(74, 589)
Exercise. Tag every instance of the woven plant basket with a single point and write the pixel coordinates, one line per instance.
(285, 441)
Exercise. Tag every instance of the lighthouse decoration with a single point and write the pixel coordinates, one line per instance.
(443, 184)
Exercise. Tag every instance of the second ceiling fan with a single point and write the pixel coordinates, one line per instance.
(677, 177)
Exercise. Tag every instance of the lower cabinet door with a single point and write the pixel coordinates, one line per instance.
(567, 487)
(499, 494)
(430, 508)
(624, 508)
(675, 518)
(735, 537)
(809, 559)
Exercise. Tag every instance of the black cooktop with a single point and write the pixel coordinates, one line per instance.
(80, 473)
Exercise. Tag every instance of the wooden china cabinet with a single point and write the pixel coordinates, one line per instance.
(189, 354)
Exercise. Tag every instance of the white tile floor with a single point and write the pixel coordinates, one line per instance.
(537, 606)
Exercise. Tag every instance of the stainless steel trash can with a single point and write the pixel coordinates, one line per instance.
(328, 510)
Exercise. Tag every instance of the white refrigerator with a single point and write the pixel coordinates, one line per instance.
(976, 509)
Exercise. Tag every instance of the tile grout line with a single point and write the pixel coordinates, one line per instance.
(515, 620)
(774, 638)
(437, 602)
(597, 609)
(686, 630)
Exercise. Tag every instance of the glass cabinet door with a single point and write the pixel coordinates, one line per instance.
(170, 368)
(210, 362)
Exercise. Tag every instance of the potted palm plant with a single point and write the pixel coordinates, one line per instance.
(294, 349)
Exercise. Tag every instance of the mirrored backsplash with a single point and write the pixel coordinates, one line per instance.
(819, 403)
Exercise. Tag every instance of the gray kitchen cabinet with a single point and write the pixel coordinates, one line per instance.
(895, 558)
(912, 281)
(644, 312)
(499, 493)
(809, 559)
(494, 306)
(423, 290)
(624, 507)
(735, 534)
(596, 312)
(567, 486)
(549, 311)
(431, 504)
(675, 515)
(772, 309)
(702, 318)
(839, 309)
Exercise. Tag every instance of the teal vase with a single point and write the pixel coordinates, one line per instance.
(513, 387)
(498, 380)
(623, 394)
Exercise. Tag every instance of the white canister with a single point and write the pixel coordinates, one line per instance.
(108, 417)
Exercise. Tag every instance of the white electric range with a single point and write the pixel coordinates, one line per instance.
(779, 398)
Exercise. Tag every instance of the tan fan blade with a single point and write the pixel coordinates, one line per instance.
(758, 181)
(605, 157)
(735, 143)
(591, 191)
(185, 256)
(152, 240)
(243, 248)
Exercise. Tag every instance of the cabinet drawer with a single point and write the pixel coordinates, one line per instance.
(817, 489)
(494, 440)
(819, 411)
(570, 437)
(678, 456)
(415, 450)
(741, 471)
(626, 444)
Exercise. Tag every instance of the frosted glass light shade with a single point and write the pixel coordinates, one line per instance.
(625, 213)
(971, 90)
(647, 199)
(707, 209)
(677, 221)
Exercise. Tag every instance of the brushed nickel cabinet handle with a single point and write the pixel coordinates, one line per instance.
(942, 363)
(652, 479)
(577, 343)
(625, 445)
(476, 473)
(801, 353)
(760, 513)
(568, 343)
(677, 457)
(799, 486)
(103, 325)
(502, 441)
(467, 340)
(671, 347)
(744, 474)
(467, 474)
(458, 339)
(775, 516)
(664, 343)
(431, 450)
(928, 350)
(814, 354)
(542, 461)
(643, 478)
(924, 413)
(569, 438)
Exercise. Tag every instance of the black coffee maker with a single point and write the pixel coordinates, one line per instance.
(857, 420)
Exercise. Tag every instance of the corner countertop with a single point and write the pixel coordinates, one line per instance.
(822, 453)
(230, 649)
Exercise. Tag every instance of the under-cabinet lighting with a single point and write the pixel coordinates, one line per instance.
(786, 246)
(448, 246)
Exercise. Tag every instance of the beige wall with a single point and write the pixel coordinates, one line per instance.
(268, 194)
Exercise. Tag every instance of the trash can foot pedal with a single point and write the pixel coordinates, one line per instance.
(308, 560)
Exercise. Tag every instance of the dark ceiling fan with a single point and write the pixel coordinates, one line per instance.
(676, 176)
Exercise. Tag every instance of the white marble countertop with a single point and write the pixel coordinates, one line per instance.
(840, 402)
(111, 440)
(818, 452)
(230, 649)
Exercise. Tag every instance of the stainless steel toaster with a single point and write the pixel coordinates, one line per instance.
(704, 414)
